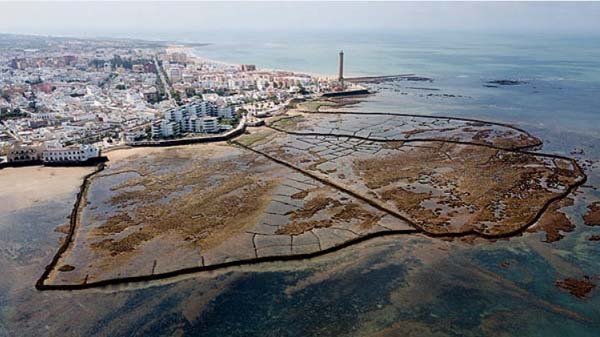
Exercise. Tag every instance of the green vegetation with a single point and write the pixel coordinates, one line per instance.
(176, 96)
(230, 121)
(15, 113)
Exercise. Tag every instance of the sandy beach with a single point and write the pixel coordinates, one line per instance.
(192, 52)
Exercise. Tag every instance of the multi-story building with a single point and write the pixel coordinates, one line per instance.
(131, 135)
(178, 57)
(194, 125)
(165, 129)
(24, 153)
(74, 153)
(176, 114)
(225, 111)
(175, 73)
(52, 153)
(156, 129)
(137, 68)
(210, 124)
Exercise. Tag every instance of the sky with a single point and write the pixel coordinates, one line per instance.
(143, 19)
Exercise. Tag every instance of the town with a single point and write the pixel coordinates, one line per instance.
(66, 100)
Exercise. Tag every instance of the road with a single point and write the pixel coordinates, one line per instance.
(12, 133)
(166, 84)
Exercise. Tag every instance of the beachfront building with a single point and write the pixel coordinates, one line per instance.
(210, 124)
(74, 153)
(209, 108)
(225, 111)
(195, 117)
(51, 153)
(165, 129)
(24, 153)
(202, 125)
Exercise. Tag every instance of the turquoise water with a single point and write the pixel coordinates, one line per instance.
(397, 286)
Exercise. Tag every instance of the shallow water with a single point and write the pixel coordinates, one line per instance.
(389, 286)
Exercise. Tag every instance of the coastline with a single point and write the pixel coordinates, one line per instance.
(42, 286)
(126, 149)
(194, 52)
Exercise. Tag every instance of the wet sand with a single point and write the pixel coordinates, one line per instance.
(24, 187)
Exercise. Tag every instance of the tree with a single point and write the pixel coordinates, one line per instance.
(302, 89)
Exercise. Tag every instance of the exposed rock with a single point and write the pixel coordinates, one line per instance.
(553, 221)
(506, 82)
(592, 217)
(66, 267)
(579, 288)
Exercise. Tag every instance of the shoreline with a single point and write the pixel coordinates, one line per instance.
(230, 138)
(416, 230)
(194, 53)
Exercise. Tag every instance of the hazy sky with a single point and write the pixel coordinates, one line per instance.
(143, 18)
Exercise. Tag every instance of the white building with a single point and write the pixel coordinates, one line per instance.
(165, 129)
(225, 111)
(133, 135)
(195, 125)
(176, 114)
(75, 153)
(210, 124)
(175, 73)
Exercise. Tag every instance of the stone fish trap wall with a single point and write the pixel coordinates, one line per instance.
(40, 284)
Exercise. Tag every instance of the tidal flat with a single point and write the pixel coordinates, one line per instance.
(303, 186)
(398, 284)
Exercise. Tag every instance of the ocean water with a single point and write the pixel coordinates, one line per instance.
(394, 286)
(562, 73)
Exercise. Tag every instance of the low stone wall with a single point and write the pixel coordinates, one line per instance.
(346, 93)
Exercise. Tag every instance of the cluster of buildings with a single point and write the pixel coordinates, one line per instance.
(196, 117)
(76, 92)
(52, 153)
(71, 92)
(189, 76)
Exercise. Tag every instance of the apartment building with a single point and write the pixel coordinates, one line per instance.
(74, 153)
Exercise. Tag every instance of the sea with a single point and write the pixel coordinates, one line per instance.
(562, 72)
(393, 286)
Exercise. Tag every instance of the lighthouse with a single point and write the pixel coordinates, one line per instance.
(341, 74)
